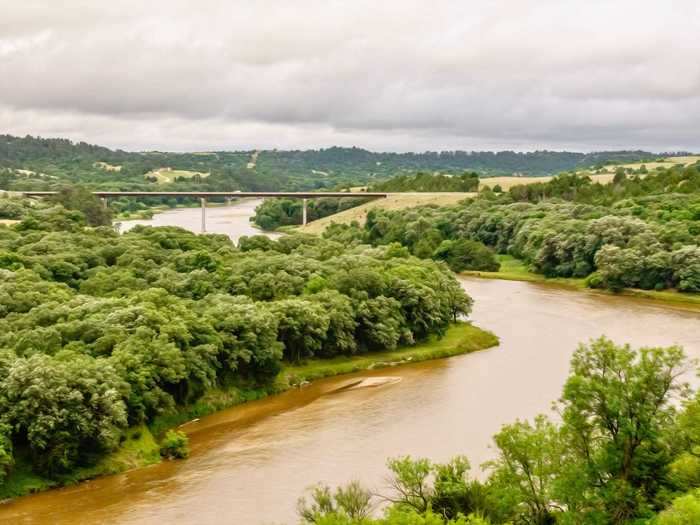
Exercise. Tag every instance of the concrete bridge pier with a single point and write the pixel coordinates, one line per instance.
(104, 201)
(227, 201)
(203, 202)
(303, 213)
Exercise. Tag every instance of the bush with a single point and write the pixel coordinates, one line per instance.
(464, 254)
(684, 511)
(175, 445)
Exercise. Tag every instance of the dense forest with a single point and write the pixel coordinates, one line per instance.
(623, 449)
(29, 163)
(101, 331)
(640, 231)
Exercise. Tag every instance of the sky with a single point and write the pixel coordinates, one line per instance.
(386, 75)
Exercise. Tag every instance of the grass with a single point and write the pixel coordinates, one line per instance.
(666, 163)
(513, 269)
(461, 338)
(166, 175)
(395, 201)
(140, 446)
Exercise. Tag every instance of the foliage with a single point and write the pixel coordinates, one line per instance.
(617, 405)
(100, 330)
(81, 199)
(273, 213)
(640, 233)
(685, 510)
(612, 459)
(428, 182)
(34, 163)
(6, 452)
(175, 445)
(65, 407)
(352, 503)
(530, 456)
(463, 254)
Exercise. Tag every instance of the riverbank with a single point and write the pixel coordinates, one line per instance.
(513, 269)
(140, 446)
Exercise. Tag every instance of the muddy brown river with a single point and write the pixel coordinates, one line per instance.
(249, 464)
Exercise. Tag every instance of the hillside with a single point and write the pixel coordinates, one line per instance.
(39, 163)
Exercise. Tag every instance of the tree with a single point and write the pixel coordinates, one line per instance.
(65, 407)
(618, 268)
(463, 254)
(302, 327)
(530, 457)
(81, 199)
(617, 405)
(6, 449)
(349, 504)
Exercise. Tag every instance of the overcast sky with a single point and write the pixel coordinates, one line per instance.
(385, 75)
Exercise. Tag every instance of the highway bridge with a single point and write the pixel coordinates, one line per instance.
(227, 195)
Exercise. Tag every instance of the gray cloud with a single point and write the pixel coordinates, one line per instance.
(396, 75)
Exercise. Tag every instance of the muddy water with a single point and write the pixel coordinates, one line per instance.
(230, 220)
(250, 463)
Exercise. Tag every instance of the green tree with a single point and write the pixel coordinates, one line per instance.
(302, 328)
(65, 407)
(523, 476)
(348, 504)
(6, 452)
(463, 254)
(81, 199)
(616, 407)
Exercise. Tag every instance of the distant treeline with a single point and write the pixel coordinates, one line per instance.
(31, 163)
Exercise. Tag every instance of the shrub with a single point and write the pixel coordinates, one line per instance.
(464, 254)
(175, 445)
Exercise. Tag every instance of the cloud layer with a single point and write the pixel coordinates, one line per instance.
(393, 75)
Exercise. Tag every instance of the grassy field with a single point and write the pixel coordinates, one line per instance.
(508, 182)
(667, 163)
(140, 448)
(395, 201)
(513, 269)
(165, 175)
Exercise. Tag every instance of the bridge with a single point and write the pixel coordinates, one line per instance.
(227, 196)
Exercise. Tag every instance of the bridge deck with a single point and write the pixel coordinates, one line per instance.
(206, 194)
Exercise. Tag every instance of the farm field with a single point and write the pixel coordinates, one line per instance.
(106, 166)
(167, 175)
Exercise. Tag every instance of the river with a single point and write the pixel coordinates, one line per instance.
(249, 464)
(230, 220)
